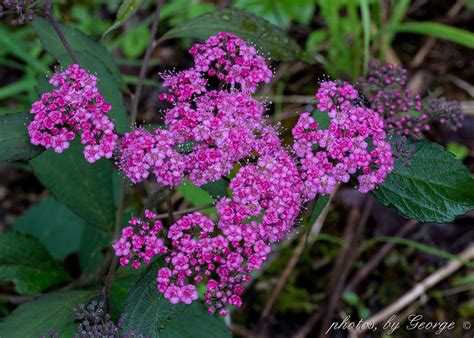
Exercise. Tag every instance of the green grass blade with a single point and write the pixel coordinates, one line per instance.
(329, 238)
(365, 12)
(399, 10)
(438, 30)
(14, 47)
(16, 88)
(420, 246)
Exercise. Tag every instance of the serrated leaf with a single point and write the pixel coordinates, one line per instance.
(124, 281)
(106, 85)
(125, 11)
(148, 313)
(48, 313)
(85, 188)
(54, 225)
(78, 41)
(25, 262)
(435, 188)
(268, 38)
(14, 139)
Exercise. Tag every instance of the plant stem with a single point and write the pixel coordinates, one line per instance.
(57, 28)
(169, 205)
(146, 60)
(116, 235)
(185, 211)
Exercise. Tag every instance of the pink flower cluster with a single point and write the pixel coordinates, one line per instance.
(266, 200)
(221, 127)
(143, 151)
(231, 60)
(139, 241)
(353, 144)
(75, 105)
(406, 112)
(198, 256)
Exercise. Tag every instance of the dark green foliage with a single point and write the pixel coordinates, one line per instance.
(435, 188)
(25, 262)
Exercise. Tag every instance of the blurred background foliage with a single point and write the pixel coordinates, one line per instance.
(338, 38)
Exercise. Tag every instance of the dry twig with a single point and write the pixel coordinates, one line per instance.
(378, 257)
(420, 289)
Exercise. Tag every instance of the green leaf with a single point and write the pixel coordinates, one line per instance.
(315, 40)
(351, 298)
(54, 225)
(92, 242)
(322, 118)
(106, 85)
(438, 30)
(125, 11)
(14, 139)
(124, 280)
(197, 196)
(435, 188)
(25, 262)
(78, 41)
(48, 313)
(148, 313)
(135, 42)
(321, 202)
(85, 188)
(216, 189)
(267, 37)
(459, 150)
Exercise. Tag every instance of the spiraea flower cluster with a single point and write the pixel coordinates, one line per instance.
(231, 60)
(139, 241)
(143, 151)
(266, 200)
(74, 106)
(224, 129)
(21, 10)
(353, 144)
(213, 128)
(404, 111)
(218, 126)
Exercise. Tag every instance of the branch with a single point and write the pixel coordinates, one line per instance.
(169, 205)
(113, 265)
(346, 258)
(185, 211)
(420, 288)
(146, 60)
(378, 257)
(57, 28)
(17, 299)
